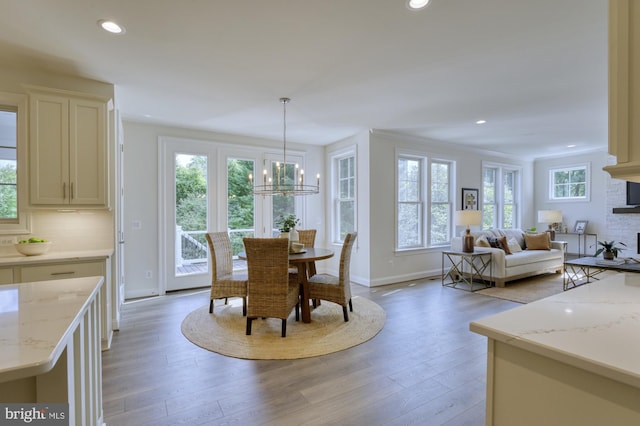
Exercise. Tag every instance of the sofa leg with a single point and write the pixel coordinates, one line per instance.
(500, 283)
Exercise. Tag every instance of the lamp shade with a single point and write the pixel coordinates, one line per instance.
(549, 216)
(468, 218)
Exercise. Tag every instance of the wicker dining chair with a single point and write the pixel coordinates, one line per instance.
(308, 238)
(225, 282)
(271, 291)
(336, 289)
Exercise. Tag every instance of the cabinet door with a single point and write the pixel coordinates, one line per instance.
(6, 276)
(48, 149)
(87, 152)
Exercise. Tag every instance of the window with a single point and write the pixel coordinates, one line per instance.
(569, 183)
(13, 193)
(419, 192)
(440, 203)
(8, 165)
(344, 172)
(500, 196)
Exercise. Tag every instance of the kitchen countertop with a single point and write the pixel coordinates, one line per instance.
(15, 258)
(37, 318)
(595, 327)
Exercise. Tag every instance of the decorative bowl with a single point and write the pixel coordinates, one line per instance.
(33, 249)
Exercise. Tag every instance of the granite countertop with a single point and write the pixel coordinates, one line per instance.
(37, 319)
(16, 259)
(595, 327)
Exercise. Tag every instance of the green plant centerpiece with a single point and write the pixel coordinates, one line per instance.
(286, 223)
(609, 249)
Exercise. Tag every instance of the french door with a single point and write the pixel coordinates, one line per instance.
(203, 188)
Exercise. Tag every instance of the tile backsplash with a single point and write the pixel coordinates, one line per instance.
(70, 231)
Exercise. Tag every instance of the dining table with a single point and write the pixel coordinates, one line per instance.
(302, 260)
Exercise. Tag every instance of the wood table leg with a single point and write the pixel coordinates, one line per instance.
(304, 292)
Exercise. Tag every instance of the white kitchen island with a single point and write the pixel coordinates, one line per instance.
(50, 345)
(570, 359)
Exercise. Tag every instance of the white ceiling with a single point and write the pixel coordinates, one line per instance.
(536, 70)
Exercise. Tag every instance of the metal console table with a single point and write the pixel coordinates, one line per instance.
(582, 248)
(467, 269)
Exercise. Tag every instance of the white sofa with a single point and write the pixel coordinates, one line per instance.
(526, 263)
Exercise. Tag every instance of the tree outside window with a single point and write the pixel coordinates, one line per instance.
(8, 166)
(500, 196)
(345, 199)
(419, 192)
(569, 183)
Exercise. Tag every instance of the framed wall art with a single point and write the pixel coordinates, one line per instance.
(580, 227)
(469, 199)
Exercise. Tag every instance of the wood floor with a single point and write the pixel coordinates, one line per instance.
(425, 367)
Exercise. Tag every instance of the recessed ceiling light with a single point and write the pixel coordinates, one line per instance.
(111, 26)
(571, 146)
(481, 121)
(417, 4)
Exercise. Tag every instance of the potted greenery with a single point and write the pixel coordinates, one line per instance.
(287, 224)
(609, 249)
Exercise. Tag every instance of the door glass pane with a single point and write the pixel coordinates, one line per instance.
(240, 202)
(191, 214)
(282, 205)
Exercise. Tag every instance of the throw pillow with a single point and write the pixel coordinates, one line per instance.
(503, 245)
(537, 241)
(482, 242)
(514, 246)
(497, 242)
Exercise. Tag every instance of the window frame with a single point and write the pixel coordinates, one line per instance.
(499, 201)
(336, 225)
(424, 201)
(23, 223)
(552, 182)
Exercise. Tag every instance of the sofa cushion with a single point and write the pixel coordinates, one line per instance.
(504, 245)
(514, 246)
(482, 241)
(517, 234)
(527, 257)
(537, 241)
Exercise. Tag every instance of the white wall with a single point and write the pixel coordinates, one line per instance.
(141, 196)
(605, 194)
(387, 265)
(360, 268)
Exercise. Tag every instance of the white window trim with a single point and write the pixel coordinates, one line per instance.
(427, 159)
(24, 217)
(587, 189)
(499, 197)
(334, 157)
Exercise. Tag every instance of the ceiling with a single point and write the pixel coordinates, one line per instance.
(536, 71)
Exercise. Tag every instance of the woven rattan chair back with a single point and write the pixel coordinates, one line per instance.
(336, 289)
(225, 282)
(270, 291)
(308, 238)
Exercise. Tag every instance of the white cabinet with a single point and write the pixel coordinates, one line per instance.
(68, 157)
(75, 269)
(6, 275)
(624, 89)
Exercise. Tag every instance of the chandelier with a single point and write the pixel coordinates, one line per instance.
(283, 183)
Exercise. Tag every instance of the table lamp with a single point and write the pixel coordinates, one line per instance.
(468, 218)
(550, 217)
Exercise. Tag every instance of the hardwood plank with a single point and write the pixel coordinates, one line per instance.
(424, 367)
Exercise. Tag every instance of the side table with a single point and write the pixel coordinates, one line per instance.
(466, 269)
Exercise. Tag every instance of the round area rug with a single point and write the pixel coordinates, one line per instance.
(224, 331)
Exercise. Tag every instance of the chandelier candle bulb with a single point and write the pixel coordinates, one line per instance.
(250, 179)
(264, 176)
